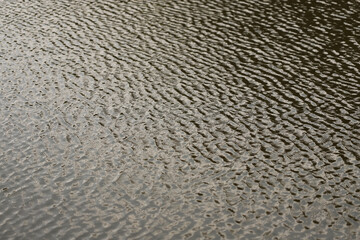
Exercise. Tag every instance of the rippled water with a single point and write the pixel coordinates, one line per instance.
(179, 119)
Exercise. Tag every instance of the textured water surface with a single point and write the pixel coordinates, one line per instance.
(178, 119)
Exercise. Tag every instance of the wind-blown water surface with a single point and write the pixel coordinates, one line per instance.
(179, 119)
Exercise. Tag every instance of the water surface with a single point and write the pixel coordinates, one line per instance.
(179, 119)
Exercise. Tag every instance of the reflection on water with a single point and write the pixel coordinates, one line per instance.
(179, 119)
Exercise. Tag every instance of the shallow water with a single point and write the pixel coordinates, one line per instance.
(179, 119)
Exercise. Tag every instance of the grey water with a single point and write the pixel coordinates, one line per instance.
(192, 119)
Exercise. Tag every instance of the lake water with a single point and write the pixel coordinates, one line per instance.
(178, 119)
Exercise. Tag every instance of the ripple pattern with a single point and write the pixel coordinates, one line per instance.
(179, 119)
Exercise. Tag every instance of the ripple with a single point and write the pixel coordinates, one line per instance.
(179, 120)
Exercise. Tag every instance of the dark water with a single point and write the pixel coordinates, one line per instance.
(179, 119)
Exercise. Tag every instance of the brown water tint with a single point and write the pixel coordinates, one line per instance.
(179, 119)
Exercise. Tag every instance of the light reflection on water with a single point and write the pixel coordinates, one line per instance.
(179, 119)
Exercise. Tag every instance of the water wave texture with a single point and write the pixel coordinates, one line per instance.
(178, 119)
